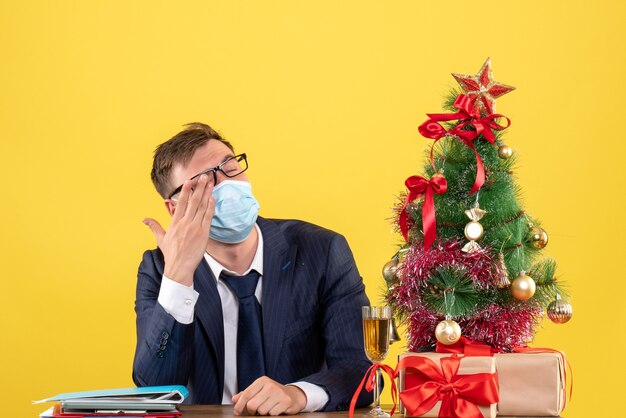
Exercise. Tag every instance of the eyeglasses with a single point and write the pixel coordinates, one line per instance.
(230, 167)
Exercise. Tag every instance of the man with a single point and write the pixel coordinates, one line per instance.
(292, 341)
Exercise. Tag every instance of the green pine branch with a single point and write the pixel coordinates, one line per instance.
(451, 292)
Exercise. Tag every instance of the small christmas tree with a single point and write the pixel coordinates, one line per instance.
(471, 263)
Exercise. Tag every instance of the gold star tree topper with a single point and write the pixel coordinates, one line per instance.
(483, 87)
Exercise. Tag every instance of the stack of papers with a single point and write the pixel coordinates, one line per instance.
(147, 402)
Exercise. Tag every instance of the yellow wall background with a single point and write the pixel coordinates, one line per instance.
(325, 97)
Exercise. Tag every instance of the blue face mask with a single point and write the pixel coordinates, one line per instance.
(236, 211)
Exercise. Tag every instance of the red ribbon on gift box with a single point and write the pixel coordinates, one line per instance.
(459, 394)
(469, 115)
(467, 347)
(470, 348)
(369, 382)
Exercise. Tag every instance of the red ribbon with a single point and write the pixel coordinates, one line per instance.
(469, 116)
(419, 186)
(459, 394)
(467, 347)
(369, 382)
(565, 361)
(470, 348)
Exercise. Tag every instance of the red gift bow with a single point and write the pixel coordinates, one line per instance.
(467, 347)
(470, 348)
(369, 382)
(470, 116)
(419, 186)
(458, 394)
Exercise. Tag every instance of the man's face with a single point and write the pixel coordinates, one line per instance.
(210, 155)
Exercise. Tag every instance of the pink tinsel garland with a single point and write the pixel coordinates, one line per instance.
(498, 326)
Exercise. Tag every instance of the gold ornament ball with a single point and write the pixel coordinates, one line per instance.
(389, 271)
(538, 237)
(473, 231)
(448, 332)
(505, 151)
(560, 311)
(523, 287)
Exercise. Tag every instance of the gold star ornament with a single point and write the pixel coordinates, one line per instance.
(483, 88)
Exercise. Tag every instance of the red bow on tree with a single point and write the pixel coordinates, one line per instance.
(419, 186)
(459, 394)
(470, 116)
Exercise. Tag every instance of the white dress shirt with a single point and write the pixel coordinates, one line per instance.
(179, 301)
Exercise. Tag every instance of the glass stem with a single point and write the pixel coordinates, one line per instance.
(376, 389)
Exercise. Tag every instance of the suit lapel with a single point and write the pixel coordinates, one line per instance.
(209, 312)
(278, 266)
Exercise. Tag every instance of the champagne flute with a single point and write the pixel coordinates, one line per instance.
(376, 321)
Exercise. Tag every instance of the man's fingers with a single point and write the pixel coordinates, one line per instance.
(253, 404)
(156, 229)
(196, 196)
(269, 404)
(267, 397)
(205, 202)
(280, 408)
(246, 395)
(183, 199)
(240, 403)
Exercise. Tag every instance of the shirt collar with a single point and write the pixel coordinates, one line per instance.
(257, 261)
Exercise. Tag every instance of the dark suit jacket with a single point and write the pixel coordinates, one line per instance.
(312, 298)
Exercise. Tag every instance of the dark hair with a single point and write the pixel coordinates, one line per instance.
(179, 150)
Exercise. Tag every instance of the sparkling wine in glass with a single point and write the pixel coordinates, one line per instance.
(376, 323)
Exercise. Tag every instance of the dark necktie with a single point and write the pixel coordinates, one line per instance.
(250, 363)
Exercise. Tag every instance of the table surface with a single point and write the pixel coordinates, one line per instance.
(205, 411)
(210, 411)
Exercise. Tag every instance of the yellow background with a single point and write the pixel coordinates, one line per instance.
(325, 97)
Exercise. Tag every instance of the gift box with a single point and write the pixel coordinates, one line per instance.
(430, 382)
(531, 384)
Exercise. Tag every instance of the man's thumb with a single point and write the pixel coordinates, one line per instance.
(156, 229)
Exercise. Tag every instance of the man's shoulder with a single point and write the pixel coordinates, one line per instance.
(153, 259)
(313, 242)
(295, 229)
(299, 233)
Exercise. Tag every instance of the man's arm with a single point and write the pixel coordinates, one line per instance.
(165, 346)
(164, 350)
(342, 297)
